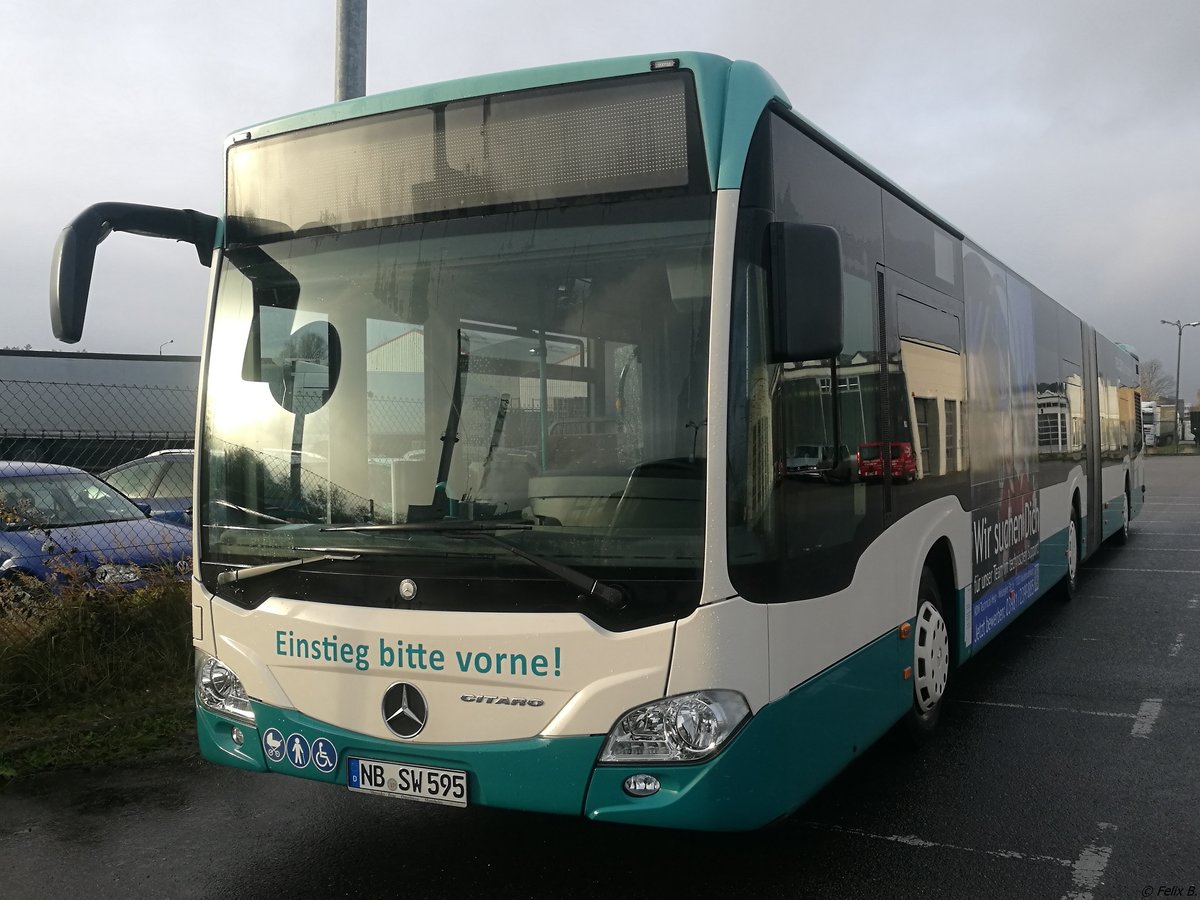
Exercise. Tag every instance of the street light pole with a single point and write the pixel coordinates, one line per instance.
(163, 344)
(1179, 326)
(350, 50)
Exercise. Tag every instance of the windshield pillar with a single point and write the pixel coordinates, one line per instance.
(717, 584)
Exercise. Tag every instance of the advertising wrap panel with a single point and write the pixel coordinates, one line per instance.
(1005, 518)
(1004, 564)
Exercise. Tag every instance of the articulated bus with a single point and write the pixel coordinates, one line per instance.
(605, 439)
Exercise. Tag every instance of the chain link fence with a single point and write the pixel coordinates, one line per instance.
(64, 532)
(93, 427)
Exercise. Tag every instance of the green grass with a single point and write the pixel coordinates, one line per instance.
(90, 676)
(99, 731)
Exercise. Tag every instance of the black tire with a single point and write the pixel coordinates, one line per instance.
(931, 660)
(1070, 581)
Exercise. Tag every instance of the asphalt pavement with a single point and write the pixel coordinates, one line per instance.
(1067, 765)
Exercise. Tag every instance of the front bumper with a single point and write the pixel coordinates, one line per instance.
(779, 758)
(553, 775)
(539, 774)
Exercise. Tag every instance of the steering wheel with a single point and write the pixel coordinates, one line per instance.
(670, 466)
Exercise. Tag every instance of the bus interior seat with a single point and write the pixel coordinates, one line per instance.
(588, 444)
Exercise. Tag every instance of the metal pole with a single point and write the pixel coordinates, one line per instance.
(1178, 356)
(1178, 325)
(543, 397)
(350, 75)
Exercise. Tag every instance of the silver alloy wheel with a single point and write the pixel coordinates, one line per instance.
(931, 657)
(1072, 551)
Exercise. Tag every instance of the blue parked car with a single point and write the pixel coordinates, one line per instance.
(53, 517)
(162, 479)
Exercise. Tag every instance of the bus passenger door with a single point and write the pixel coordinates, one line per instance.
(1092, 461)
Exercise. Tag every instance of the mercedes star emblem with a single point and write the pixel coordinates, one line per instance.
(404, 710)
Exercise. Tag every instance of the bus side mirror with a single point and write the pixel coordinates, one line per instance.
(75, 252)
(806, 291)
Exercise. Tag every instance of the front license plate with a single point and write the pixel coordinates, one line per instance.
(374, 776)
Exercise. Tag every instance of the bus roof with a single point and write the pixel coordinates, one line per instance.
(731, 93)
(713, 74)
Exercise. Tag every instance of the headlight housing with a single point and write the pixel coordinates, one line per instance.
(114, 573)
(683, 728)
(220, 690)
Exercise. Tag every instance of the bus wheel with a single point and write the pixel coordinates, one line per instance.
(931, 659)
(1071, 580)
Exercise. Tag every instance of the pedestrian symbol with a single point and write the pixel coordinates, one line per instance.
(273, 744)
(324, 755)
(297, 750)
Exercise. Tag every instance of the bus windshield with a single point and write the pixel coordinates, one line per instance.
(541, 367)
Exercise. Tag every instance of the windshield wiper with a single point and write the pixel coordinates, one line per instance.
(229, 576)
(259, 514)
(612, 597)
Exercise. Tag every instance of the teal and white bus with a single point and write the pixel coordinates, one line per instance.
(605, 439)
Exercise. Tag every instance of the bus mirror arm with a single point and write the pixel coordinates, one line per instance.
(805, 265)
(75, 252)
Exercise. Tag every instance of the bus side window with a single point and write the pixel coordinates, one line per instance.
(800, 510)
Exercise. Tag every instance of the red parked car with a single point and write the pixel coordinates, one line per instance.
(904, 463)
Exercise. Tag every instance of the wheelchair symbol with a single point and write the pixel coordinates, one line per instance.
(324, 755)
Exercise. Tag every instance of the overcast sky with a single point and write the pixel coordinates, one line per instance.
(1062, 135)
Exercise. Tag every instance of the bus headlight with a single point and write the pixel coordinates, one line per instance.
(219, 689)
(683, 728)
